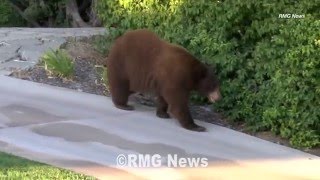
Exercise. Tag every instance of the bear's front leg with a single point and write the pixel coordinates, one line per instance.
(184, 117)
(178, 107)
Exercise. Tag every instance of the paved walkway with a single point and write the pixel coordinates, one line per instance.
(85, 133)
(21, 48)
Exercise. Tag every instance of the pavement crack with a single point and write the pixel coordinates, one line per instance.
(17, 56)
(42, 40)
(10, 59)
(3, 43)
(18, 49)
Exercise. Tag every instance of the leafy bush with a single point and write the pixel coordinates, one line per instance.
(102, 43)
(45, 13)
(269, 67)
(58, 63)
(50, 13)
(8, 17)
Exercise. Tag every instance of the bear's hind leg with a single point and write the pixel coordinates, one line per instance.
(120, 94)
(162, 108)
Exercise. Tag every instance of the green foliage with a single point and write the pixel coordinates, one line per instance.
(8, 17)
(198, 99)
(269, 67)
(42, 11)
(5, 12)
(58, 63)
(102, 43)
(46, 13)
(13, 167)
(103, 74)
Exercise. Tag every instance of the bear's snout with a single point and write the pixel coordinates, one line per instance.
(214, 96)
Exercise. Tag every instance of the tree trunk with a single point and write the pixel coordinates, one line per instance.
(94, 19)
(72, 11)
(84, 5)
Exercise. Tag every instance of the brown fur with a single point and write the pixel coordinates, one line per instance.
(139, 61)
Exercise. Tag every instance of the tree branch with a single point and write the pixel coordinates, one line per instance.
(33, 22)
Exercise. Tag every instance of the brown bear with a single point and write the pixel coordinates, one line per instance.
(140, 62)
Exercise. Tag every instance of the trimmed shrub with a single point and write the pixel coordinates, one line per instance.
(269, 66)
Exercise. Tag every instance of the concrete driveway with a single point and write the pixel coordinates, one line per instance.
(85, 133)
(21, 48)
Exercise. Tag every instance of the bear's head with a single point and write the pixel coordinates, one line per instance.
(209, 85)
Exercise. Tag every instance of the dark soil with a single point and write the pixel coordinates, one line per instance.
(88, 78)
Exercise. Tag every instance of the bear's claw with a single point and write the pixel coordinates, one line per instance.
(197, 128)
(125, 107)
(163, 115)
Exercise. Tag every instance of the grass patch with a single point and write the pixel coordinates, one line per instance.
(102, 71)
(58, 63)
(16, 168)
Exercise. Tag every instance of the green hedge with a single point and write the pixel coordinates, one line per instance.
(269, 67)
